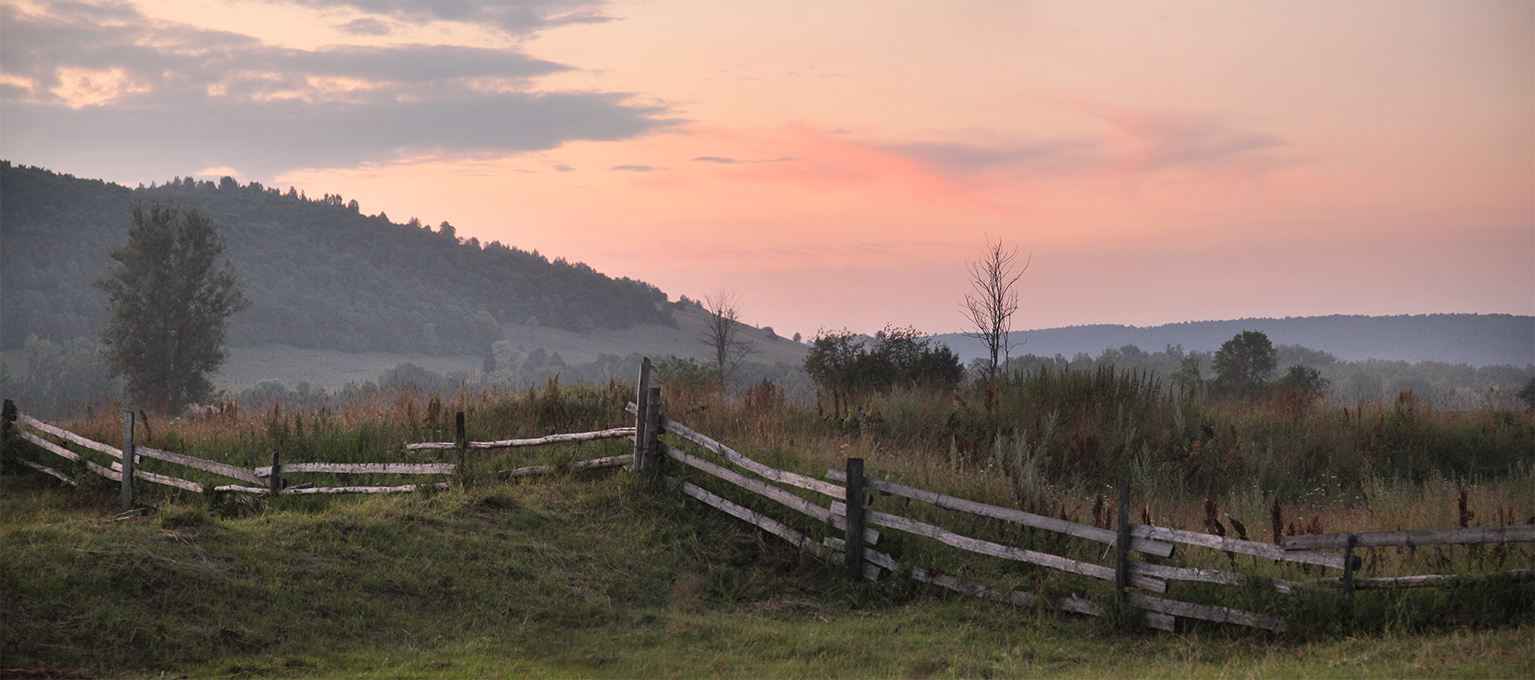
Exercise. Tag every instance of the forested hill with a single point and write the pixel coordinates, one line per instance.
(1476, 339)
(320, 273)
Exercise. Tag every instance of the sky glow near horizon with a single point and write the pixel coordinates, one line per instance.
(837, 163)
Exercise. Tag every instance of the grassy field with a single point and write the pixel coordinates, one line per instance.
(605, 575)
(568, 577)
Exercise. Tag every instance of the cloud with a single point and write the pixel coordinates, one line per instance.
(733, 161)
(963, 158)
(636, 168)
(521, 18)
(1159, 140)
(365, 26)
(106, 86)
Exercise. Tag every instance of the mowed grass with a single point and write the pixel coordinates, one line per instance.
(598, 575)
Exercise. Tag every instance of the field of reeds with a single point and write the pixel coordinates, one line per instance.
(1052, 442)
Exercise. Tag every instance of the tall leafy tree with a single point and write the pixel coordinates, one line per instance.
(170, 297)
(1245, 362)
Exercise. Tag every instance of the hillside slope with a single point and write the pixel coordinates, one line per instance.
(321, 274)
(1476, 339)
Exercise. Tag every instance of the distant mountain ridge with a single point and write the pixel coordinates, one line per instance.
(321, 274)
(1475, 339)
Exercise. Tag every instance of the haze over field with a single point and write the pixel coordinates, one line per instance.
(837, 163)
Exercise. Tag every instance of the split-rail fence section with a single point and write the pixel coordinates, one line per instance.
(841, 502)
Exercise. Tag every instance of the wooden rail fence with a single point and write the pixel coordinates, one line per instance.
(840, 505)
(849, 512)
(268, 480)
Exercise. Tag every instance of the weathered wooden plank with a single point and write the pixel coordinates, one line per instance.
(361, 468)
(1019, 598)
(758, 487)
(1423, 581)
(160, 479)
(1203, 576)
(48, 471)
(875, 557)
(70, 436)
(49, 446)
(749, 516)
(1206, 612)
(1088, 532)
(756, 468)
(1254, 548)
(839, 521)
(614, 433)
(593, 464)
(769, 491)
(1511, 533)
(976, 545)
(216, 467)
(329, 490)
(71, 455)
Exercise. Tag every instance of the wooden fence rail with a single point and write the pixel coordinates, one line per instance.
(593, 464)
(1511, 533)
(1088, 532)
(1007, 552)
(764, 471)
(614, 433)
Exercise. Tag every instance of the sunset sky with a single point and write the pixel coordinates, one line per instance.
(837, 163)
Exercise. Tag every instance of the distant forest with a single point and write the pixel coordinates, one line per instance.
(321, 274)
(1475, 339)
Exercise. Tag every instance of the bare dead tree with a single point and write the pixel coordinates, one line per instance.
(723, 330)
(990, 308)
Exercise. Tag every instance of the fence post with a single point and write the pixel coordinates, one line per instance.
(127, 471)
(460, 440)
(1122, 545)
(852, 557)
(1348, 565)
(647, 463)
(274, 482)
(641, 416)
(7, 420)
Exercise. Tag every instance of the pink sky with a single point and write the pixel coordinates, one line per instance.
(837, 163)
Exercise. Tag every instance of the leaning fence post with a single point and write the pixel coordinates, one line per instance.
(127, 486)
(274, 482)
(641, 415)
(1348, 565)
(1122, 545)
(460, 439)
(852, 557)
(648, 462)
(7, 419)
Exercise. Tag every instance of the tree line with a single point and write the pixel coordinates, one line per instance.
(319, 273)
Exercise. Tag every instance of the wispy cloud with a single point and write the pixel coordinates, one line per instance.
(106, 82)
(519, 18)
(733, 161)
(365, 26)
(1159, 140)
(963, 158)
(636, 168)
